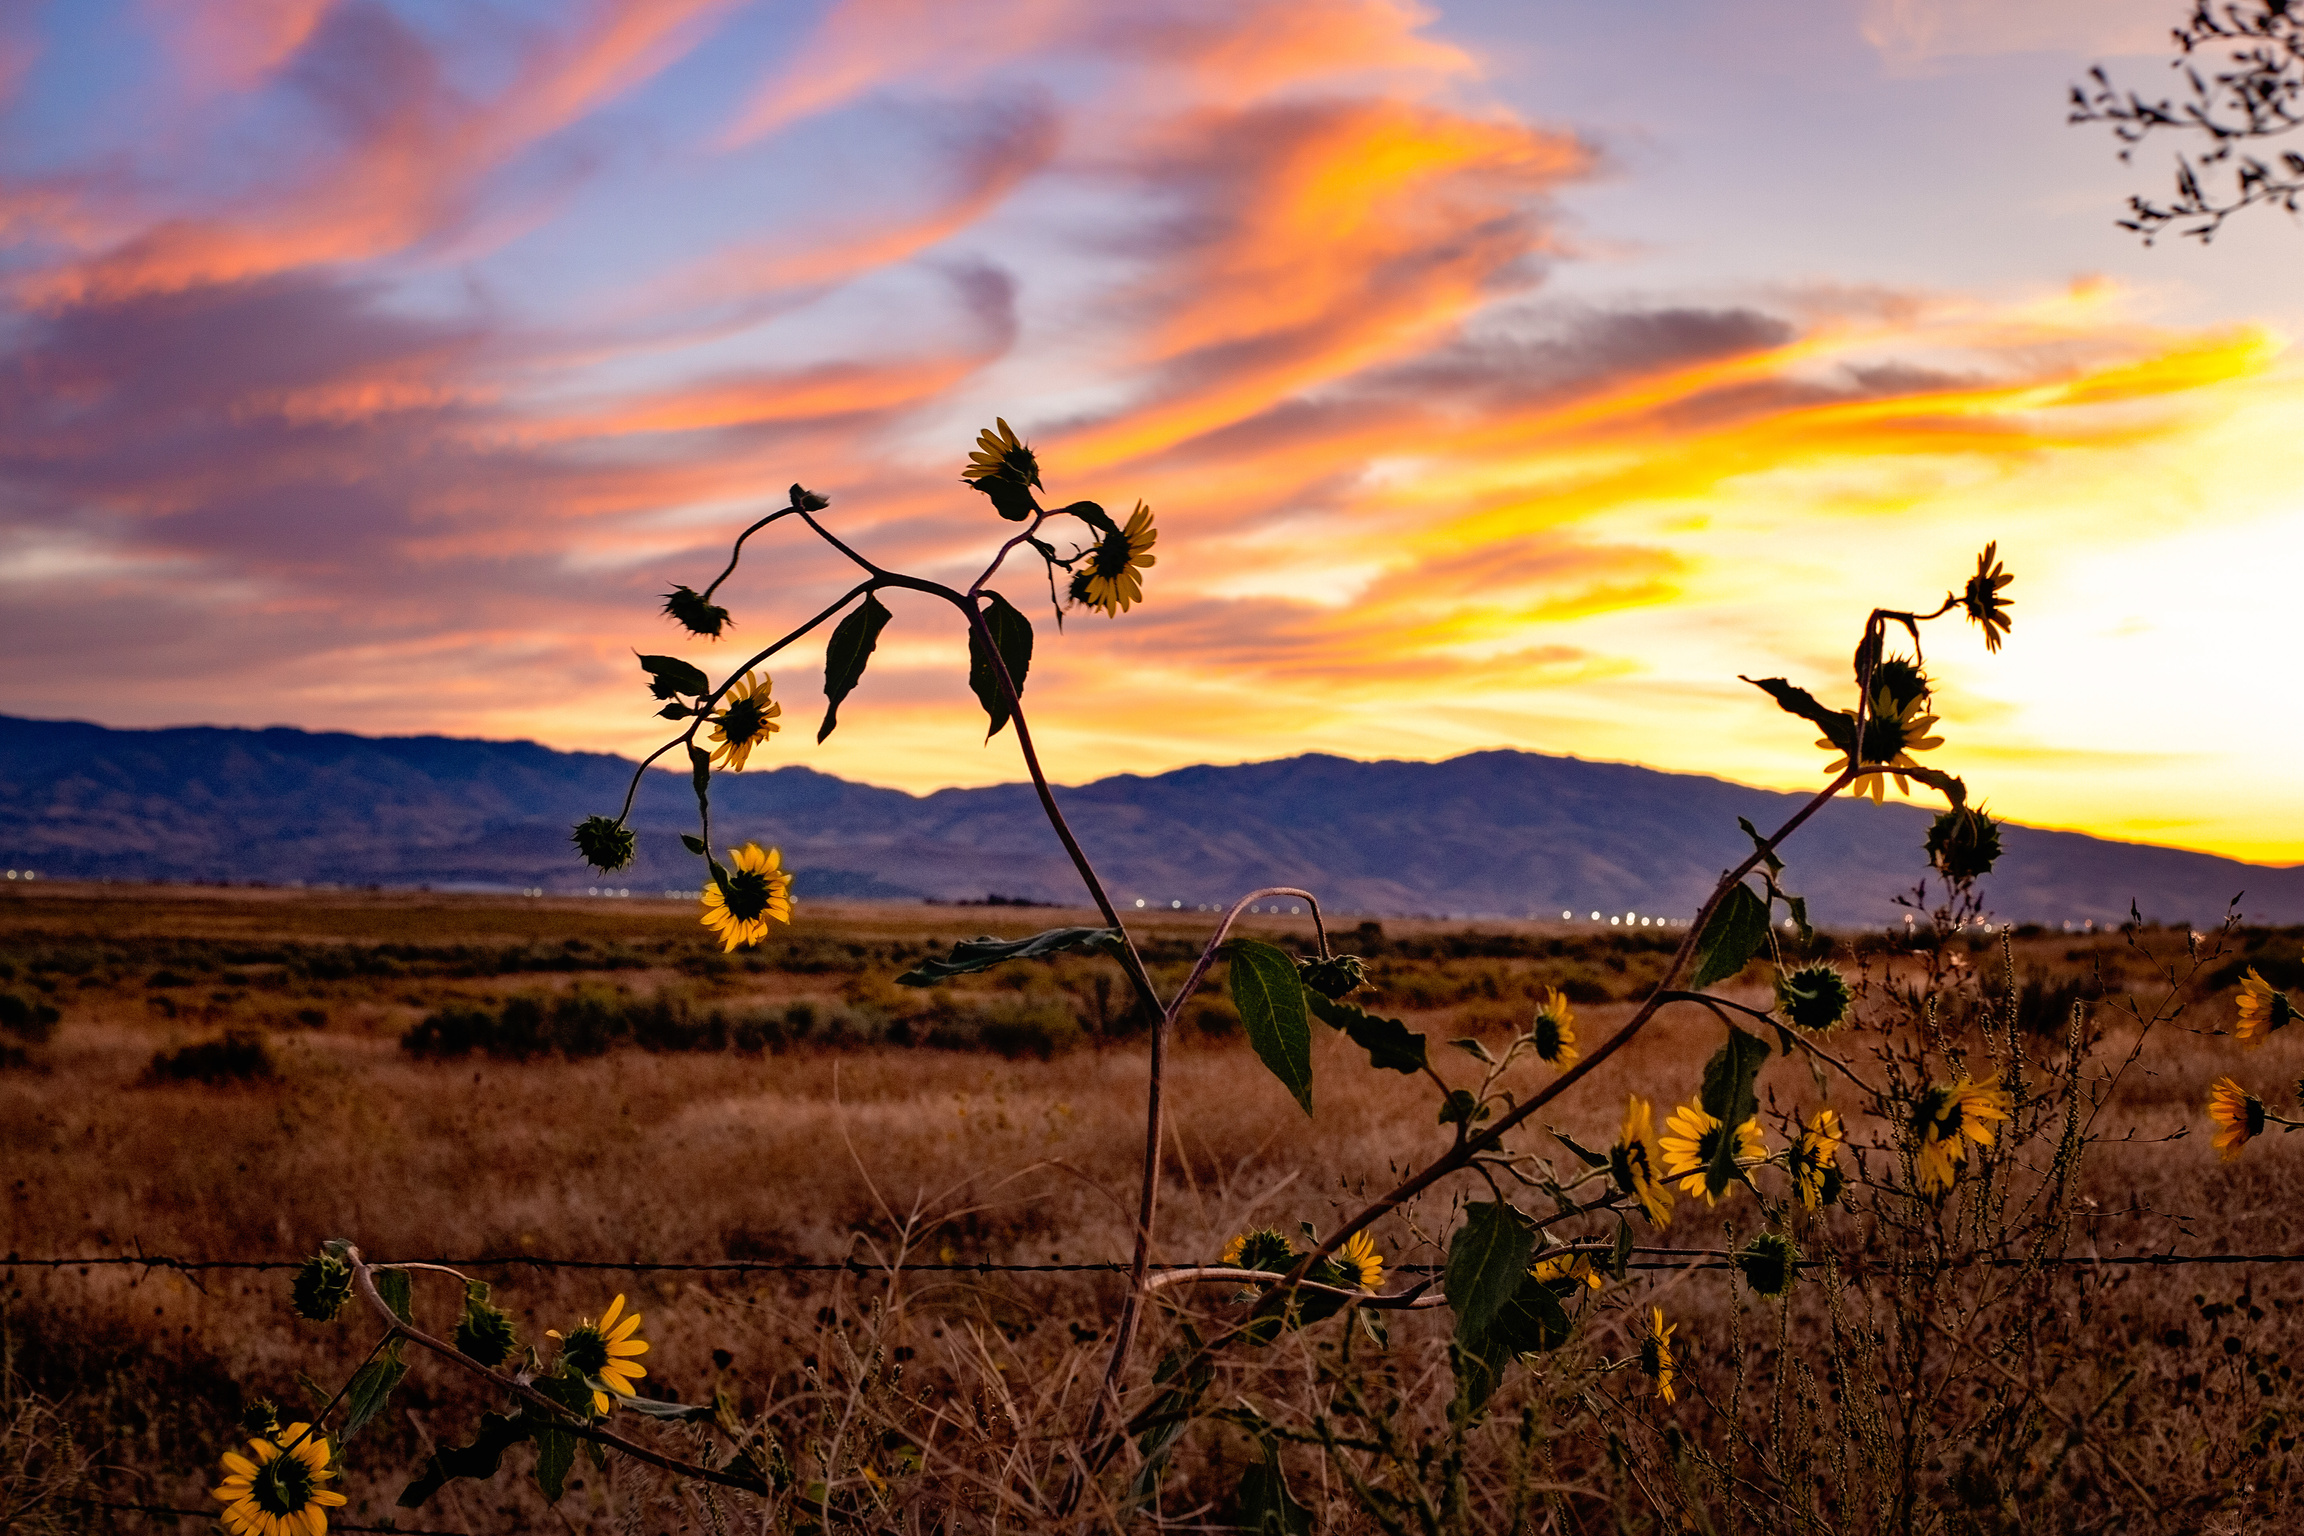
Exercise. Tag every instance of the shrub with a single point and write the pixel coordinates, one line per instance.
(237, 1055)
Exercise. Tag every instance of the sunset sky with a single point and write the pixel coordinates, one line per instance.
(1511, 373)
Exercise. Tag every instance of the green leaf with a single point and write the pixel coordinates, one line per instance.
(569, 1392)
(692, 842)
(1267, 1508)
(1391, 1045)
(1171, 1413)
(1010, 499)
(1620, 1256)
(1461, 1107)
(844, 659)
(1797, 906)
(1530, 1321)
(1591, 1158)
(1838, 727)
(1475, 1049)
(972, 955)
(1011, 633)
(670, 677)
(1937, 779)
(555, 1457)
(392, 1285)
(1270, 996)
(370, 1386)
(1728, 1094)
(1734, 935)
(678, 1413)
(1091, 514)
(1760, 846)
(1487, 1259)
(498, 1434)
(673, 711)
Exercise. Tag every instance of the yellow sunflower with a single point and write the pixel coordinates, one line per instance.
(1556, 1030)
(1108, 580)
(1692, 1139)
(1360, 1263)
(2239, 1116)
(1892, 733)
(602, 1352)
(748, 718)
(1813, 1155)
(1945, 1120)
(1656, 1351)
(759, 889)
(1633, 1161)
(1982, 596)
(1566, 1266)
(1000, 454)
(279, 1491)
(2262, 1007)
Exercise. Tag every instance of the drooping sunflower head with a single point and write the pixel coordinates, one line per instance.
(1693, 1138)
(1260, 1249)
(323, 1284)
(1982, 597)
(606, 844)
(1338, 976)
(1555, 1030)
(2260, 1008)
(1656, 1352)
(1633, 1162)
(1814, 997)
(759, 892)
(2239, 1117)
(1964, 844)
(696, 614)
(1945, 1118)
(1815, 1166)
(281, 1488)
(603, 1353)
(1358, 1264)
(748, 717)
(1769, 1263)
(1107, 577)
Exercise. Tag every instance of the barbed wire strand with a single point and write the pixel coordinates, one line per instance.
(210, 1515)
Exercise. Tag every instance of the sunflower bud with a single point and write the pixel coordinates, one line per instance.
(606, 844)
(805, 500)
(1901, 679)
(1814, 997)
(483, 1332)
(261, 1418)
(1963, 844)
(323, 1284)
(1770, 1263)
(696, 615)
(1337, 976)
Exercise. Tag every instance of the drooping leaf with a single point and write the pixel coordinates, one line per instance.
(1391, 1045)
(1461, 1107)
(371, 1384)
(1591, 1158)
(1269, 993)
(1487, 1259)
(1760, 845)
(1474, 1049)
(1838, 727)
(1620, 1254)
(1737, 930)
(1011, 499)
(670, 677)
(1011, 634)
(498, 1433)
(972, 955)
(1530, 1321)
(1091, 514)
(851, 647)
(1945, 784)
(1728, 1094)
(677, 1413)
(692, 842)
(555, 1457)
(392, 1285)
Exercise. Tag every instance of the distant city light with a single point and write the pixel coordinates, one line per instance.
(1176, 904)
(1595, 917)
(1612, 922)
(23, 874)
(1139, 901)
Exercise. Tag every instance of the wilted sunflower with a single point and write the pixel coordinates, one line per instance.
(602, 1351)
(1815, 1157)
(1358, 1262)
(2239, 1116)
(1892, 733)
(1634, 1162)
(2262, 1008)
(1108, 580)
(1982, 598)
(759, 890)
(748, 718)
(1656, 1351)
(1945, 1120)
(279, 1492)
(1555, 1030)
(1693, 1140)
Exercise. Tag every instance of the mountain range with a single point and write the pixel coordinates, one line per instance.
(1496, 833)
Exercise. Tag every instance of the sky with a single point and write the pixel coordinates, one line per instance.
(1506, 373)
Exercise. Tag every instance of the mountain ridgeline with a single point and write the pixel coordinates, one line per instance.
(1487, 834)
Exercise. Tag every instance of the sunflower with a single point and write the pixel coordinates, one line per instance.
(1695, 1140)
(1262, 1249)
(759, 888)
(1814, 1159)
(2239, 1116)
(1815, 997)
(1982, 597)
(1359, 1263)
(602, 1352)
(1555, 1030)
(1656, 1351)
(1574, 1268)
(2262, 1007)
(1892, 733)
(278, 1492)
(1109, 580)
(1001, 455)
(1634, 1164)
(1945, 1120)
(747, 719)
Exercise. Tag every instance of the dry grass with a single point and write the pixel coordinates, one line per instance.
(901, 1155)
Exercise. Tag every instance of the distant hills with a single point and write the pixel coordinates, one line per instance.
(1487, 834)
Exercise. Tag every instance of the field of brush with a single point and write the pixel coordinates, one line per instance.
(238, 1075)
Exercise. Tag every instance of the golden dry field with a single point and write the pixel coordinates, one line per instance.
(239, 1075)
